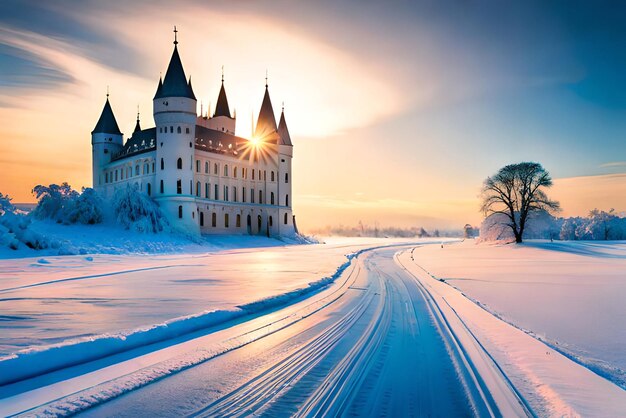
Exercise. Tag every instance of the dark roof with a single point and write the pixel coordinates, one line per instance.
(107, 123)
(140, 141)
(266, 123)
(175, 83)
(212, 140)
(159, 88)
(222, 109)
(137, 127)
(283, 132)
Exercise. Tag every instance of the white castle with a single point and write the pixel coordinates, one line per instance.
(204, 177)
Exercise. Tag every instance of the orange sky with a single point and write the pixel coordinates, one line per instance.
(373, 140)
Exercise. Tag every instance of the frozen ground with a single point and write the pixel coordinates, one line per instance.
(351, 327)
(569, 294)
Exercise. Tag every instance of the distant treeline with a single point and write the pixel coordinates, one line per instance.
(374, 231)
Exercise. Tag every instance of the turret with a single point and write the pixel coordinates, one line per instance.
(266, 123)
(285, 155)
(222, 120)
(175, 118)
(106, 140)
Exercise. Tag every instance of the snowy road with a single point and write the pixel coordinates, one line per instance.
(371, 344)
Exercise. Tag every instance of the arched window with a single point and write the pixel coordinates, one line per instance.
(180, 212)
(272, 175)
(161, 187)
(286, 177)
(197, 166)
(271, 198)
(137, 170)
(202, 218)
(179, 187)
(285, 219)
(225, 170)
(206, 167)
(287, 200)
(226, 220)
(198, 189)
(162, 164)
(178, 130)
(179, 164)
(238, 221)
(207, 187)
(149, 189)
(215, 169)
(214, 219)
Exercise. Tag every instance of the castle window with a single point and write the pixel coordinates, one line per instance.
(214, 219)
(179, 187)
(206, 167)
(179, 164)
(234, 194)
(180, 211)
(187, 130)
(238, 221)
(198, 189)
(225, 170)
(171, 129)
(225, 193)
(253, 174)
(193, 214)
(261, 196)
(161, 187)
(285, 218)
(264, 175)
(149, 189)
(162, 164)
(115, 175)
(190, 186)
(106, 151)
(201, 218)
(272, 176)
(207, 187)
(226, 220)
(190, 145)
(106, 177)
(216, 194)
(282, 160)
(197, 166)
(137, 170)
(178, 130)
(215, 169)
(286, 200)
(235, 172)
(153, 164)
(146, 168)
(271, 221)
(272, 198)
(251, 195)
(286, 177)
(243, 195)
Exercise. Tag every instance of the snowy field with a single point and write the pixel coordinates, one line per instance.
(568, 294)
(63, 301)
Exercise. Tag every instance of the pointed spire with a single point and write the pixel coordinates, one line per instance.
(283, 132)
(107, 123)
(137, 125)
(159, 89)
(266, 123)
(222, 108)
(175, 83)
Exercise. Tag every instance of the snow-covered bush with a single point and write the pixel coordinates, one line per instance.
(136, 211)
(54, 201)
(599, 225)
(65, 205)
(5, 204)
(85, 209)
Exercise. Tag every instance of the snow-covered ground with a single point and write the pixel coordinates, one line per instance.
(569, 294)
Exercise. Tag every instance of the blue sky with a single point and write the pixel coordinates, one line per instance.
(421, 100)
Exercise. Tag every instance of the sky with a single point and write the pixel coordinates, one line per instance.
(398, 110)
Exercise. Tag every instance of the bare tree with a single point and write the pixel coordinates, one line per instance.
(517, 191)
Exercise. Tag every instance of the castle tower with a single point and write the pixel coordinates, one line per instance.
(106, 140)
(174, 108)
(222, 119)
(286, 222)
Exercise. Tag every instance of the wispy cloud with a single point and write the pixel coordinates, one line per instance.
(614, 164)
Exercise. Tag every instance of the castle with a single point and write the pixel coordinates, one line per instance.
(204, 177)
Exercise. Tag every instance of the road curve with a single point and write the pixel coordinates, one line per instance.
(371, 344)
(377, 350)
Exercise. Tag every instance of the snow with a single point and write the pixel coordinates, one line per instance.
(566, 294)
(58, 310)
